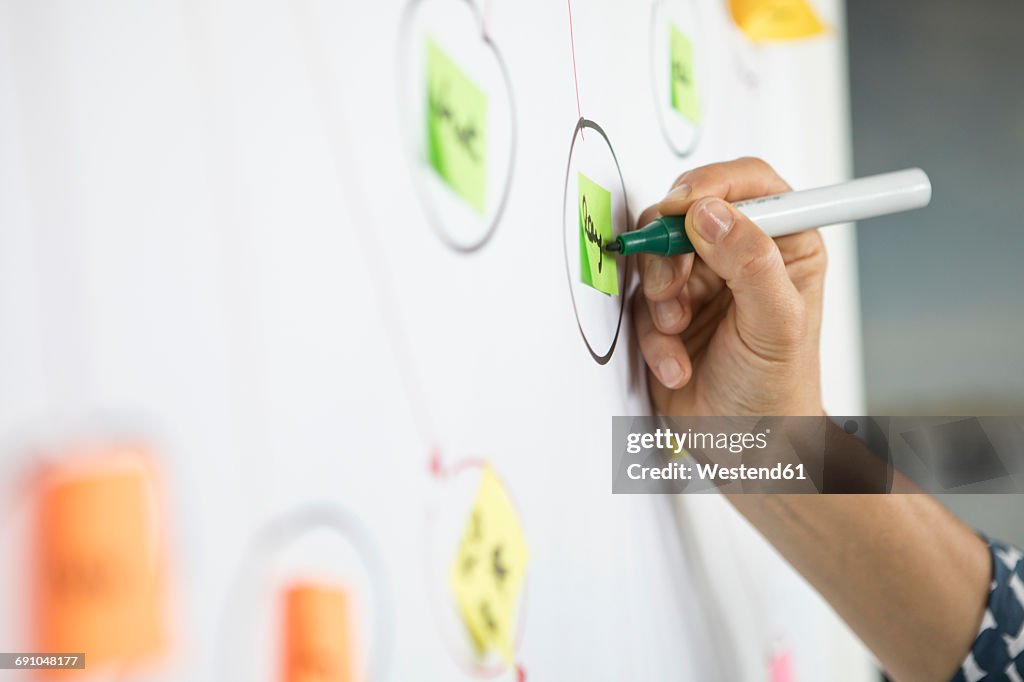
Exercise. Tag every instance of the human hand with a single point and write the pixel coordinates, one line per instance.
(734, 332)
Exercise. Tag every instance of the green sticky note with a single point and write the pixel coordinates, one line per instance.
(683, 85)
(597, 268)
(456, 127)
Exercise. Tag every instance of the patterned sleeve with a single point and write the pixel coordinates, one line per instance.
(998, 651)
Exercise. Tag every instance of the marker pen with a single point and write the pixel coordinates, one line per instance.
(782, 214)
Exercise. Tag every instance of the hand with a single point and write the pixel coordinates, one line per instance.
(735, 331)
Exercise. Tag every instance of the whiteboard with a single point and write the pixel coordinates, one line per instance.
(215, 237)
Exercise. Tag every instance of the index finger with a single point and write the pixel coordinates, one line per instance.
(743, 178)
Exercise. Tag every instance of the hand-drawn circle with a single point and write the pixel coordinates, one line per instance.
(406, 78)
(682, 138)
(455, 475)
(600, 355)
(275, 537)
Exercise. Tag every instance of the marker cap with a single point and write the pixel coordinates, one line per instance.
(664, 236)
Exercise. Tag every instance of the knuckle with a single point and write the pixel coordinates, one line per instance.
(706, 176)
(683, 177)
(811, 265)
(815, 243)
(756, 166)
(755, 162)
(757, 263)
(820, 257)
(764, 172)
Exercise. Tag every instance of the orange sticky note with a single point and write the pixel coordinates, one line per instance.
(98, 578)
(766, 21)
(318, 635)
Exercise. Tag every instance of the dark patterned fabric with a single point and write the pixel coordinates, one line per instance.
(998, 652)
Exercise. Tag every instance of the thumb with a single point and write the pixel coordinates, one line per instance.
(769, 311)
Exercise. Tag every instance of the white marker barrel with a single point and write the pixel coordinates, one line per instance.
(876, 195)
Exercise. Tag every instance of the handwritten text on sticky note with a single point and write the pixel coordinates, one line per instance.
(487, 574)
(318, 634)
(597, 268)
(99, 584)
(775, 20)
(456, 127)
(684, 85)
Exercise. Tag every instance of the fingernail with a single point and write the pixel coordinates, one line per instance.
(658, 275)
(670, 372)
(678, 192)
(668, 312)
(713, 220)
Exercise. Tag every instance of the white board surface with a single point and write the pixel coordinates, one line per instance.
(212, 238)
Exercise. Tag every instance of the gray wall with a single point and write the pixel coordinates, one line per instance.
(939, 84)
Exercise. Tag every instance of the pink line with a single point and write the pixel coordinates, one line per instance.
(576, 80)
(486, 17)
(464, 464)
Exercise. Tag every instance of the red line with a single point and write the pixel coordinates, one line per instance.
(486, 17)
(576, 80)
(440, 470)
(464, 464)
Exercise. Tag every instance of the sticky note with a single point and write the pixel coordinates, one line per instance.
(597, 268)
(684, 84)
(775, 20)
(317, 634)
(456, 128)
(489, 568)
(98, 579)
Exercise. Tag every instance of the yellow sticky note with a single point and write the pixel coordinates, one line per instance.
(775, 20)
(489, 569)
(318, 634)
(456, 127)
(99, 580)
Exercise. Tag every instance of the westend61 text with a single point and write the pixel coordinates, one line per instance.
(680, 471)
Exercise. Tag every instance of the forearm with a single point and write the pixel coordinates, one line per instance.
(908, 577)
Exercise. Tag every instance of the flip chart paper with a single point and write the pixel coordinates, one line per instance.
(98, 587)
(489, 568)
(683, 84)
(775, 20)
(597, 268)
(456, 127)
(318, 634)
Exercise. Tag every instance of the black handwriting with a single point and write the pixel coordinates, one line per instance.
(500, 569)
(466, 134)
(593, 237)
(679, 73)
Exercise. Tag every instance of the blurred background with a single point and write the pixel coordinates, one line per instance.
(937, 83)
